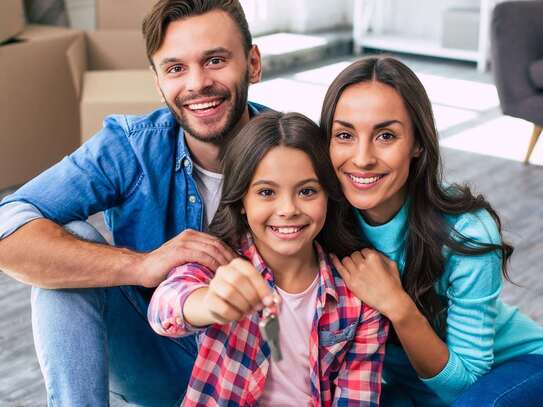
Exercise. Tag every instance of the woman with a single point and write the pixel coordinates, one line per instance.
(440, 278)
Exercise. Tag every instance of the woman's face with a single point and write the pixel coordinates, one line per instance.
(372, 144)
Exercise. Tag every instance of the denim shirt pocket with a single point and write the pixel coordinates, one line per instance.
(333, 346)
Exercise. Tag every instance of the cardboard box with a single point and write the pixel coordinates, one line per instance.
(39, 111)
(121, 14)
(115, 92)
(116, 49)
(12, 19)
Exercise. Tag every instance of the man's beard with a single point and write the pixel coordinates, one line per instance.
(239, 101)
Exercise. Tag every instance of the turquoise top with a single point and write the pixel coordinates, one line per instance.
(481, 331)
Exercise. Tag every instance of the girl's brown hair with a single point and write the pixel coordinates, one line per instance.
(241, 158)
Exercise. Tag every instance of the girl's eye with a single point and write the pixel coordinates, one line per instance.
(306, 192)
(386, 136)
(266, 193)
(344, 136)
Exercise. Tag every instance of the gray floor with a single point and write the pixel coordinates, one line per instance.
(515, 190)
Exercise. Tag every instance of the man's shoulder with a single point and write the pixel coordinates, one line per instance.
(159, 119)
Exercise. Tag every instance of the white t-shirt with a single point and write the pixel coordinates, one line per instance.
(288, 381)
(209, 186)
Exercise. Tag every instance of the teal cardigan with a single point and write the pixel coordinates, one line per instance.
(481, 331)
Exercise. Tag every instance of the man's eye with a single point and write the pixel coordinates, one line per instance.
(265, 192)
(215, 61)
(175, 69)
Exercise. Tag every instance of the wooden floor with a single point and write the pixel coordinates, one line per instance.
(515, 190)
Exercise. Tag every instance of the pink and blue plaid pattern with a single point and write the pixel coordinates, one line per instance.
(347, 342)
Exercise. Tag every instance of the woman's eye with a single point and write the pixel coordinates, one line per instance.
(265, 192)
(386, 136)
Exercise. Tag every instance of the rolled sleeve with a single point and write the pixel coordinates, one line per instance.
(15, 215)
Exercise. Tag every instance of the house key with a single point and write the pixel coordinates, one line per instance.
(269, 328)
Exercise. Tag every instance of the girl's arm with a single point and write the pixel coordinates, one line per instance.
(165, 312)
(473, 285)
(192, 297)
(359, 378)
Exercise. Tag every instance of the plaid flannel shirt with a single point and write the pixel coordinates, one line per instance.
(346, 347)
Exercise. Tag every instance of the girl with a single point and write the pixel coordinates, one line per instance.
(280, 196)
(450, 328)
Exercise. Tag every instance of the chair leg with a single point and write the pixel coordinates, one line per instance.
(535, 136)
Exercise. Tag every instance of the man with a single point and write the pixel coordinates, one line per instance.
(156, 177)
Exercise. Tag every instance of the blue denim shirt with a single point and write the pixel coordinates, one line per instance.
(137, 169)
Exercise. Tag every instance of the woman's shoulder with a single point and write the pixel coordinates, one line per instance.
(477, 226)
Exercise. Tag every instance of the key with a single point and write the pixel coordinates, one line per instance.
(269, 327)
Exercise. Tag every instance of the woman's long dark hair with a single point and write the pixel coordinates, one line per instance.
(428, 233)
(241, 158)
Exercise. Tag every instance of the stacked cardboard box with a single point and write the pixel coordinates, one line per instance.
(117, 78)
(39, 118)
(12, 19)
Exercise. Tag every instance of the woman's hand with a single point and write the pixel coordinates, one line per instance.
(373, 278)
(236, 290)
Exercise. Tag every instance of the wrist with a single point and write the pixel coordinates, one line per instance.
(131, 269)
(403, 309)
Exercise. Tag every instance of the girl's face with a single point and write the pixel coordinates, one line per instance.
(372, 144)
(285, 204)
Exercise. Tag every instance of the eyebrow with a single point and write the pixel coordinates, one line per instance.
(206, 54)
(275, 184)
(376, 126)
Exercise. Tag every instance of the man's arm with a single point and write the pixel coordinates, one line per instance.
(44, 254)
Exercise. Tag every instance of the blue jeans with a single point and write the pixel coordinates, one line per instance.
(518, 382)
(93, 341)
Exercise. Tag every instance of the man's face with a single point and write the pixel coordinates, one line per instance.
(203, 74)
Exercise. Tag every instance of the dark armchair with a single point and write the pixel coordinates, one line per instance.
(517, 61)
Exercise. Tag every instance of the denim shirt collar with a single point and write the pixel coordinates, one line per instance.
(183, 158)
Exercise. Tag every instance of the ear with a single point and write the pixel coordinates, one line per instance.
(255, 65)
(417, 151)
(157, 84)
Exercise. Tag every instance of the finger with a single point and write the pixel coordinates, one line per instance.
(349, 264)
(222, 311)
(214, 250)
(242, 284)
(262, 288)
(223, 252)
(343, 272)
(357, 258)
(230, 293)
(197, 256)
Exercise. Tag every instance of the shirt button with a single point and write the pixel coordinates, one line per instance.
(192, 199)
(186, 162)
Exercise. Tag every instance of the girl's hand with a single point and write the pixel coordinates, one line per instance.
(373, 278)
(236, 290)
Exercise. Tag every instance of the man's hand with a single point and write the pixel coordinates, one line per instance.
(236, 290)
(189, 246)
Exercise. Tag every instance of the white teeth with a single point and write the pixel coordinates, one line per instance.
(201, 106)
(285, 230)
(360, 180)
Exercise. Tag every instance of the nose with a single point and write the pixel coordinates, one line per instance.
(197, 79)
(364, 156)
(287, 206)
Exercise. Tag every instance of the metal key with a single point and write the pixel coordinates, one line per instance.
(269, 328)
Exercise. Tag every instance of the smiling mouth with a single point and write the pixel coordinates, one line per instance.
(287, 230)
(204, 107)
(366, 181)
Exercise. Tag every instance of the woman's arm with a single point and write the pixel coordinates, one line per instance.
(375, 279)
(472, 285)
(359, 379)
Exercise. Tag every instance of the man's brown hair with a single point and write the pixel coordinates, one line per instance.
(164, 12)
